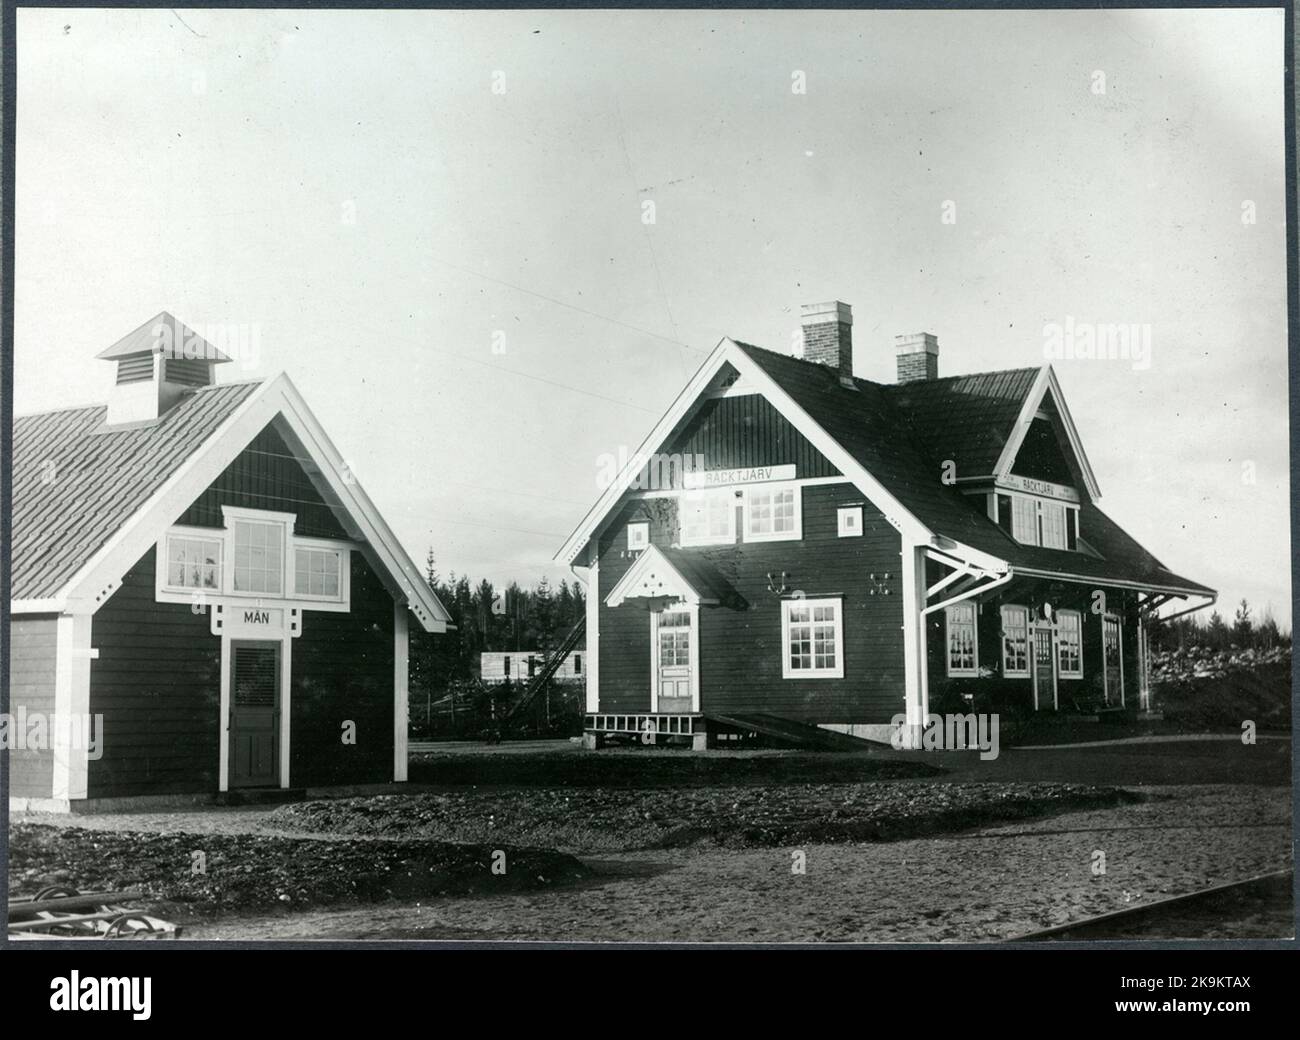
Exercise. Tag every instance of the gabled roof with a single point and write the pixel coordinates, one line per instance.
(89, 500)
(673, 574)
(882, 438)
(968, 419)
(75, 482)
(874, 424)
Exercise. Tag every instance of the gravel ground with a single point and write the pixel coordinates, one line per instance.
(992, 885)
(594, 821)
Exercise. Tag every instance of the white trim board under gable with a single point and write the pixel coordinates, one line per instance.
(1044, 382)
(276, 398)
(756, 381)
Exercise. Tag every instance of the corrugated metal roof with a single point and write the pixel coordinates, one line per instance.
(890, 430)
(76, 482)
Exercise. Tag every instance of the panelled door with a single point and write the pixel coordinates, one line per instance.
(1043, 665)
(254, 714)
(1111, 659)
(673, 632)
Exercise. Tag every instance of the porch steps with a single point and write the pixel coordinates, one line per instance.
(799, 734)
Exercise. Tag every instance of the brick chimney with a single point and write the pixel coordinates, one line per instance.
(828, 337)
(918, 357)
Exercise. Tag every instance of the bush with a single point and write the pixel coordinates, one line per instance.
(1261, 694)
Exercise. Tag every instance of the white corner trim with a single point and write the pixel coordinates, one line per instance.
(593, 635)
(73, 654)
(401, 691)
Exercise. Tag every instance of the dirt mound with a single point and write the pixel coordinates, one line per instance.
(258, 872)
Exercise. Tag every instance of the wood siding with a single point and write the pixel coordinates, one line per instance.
(740, 432)
(265, 475)
(1062, 596)
(157, 683)
(342, 670)
(741, 650)
(33, 649)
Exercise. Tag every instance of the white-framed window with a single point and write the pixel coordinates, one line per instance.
(849, 521)
(1052, 516)
(638, 534)
(773, 513)
(963, 639)
(1053, 525)
(708, 517)
(812, 639)
(675, 639)
(258, 557)
(317, 571)
(192, 561)
(1015, 642)
(1069, 643)
(1024, 520)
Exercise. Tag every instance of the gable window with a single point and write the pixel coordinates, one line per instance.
(708, 518)
(812, 638)
(1053, 525)
(1015, 642)
(1069, 643)
(193, 563)
(638, 535)
(259, 557)
(773, 513)
(317, 572)
(963, 642)
(849, 521)
(1052, 517)
(1024, 520)
(577, 664)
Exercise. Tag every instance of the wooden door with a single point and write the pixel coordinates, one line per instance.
(1112, 662)
(254, 714)
(1043, 667)
(673, 660)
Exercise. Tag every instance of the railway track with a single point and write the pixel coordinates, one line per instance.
(1217, 907)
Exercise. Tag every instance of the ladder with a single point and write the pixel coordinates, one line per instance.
(549, 667)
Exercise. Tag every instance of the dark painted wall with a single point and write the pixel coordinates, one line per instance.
(1062, 596)
(157, 683)
(740, 648)
(342, 670)
(265, 475)
(32, 657)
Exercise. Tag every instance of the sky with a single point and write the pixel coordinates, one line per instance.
(491, 247)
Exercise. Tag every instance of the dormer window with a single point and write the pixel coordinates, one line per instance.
(1038, 521)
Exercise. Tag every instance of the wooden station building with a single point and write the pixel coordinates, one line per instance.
(796, 542)
(195, 566)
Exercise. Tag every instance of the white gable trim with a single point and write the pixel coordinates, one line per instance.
(652, 564)
(690, 398)
(756, 381)
(100, 576)
(1044, 382)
